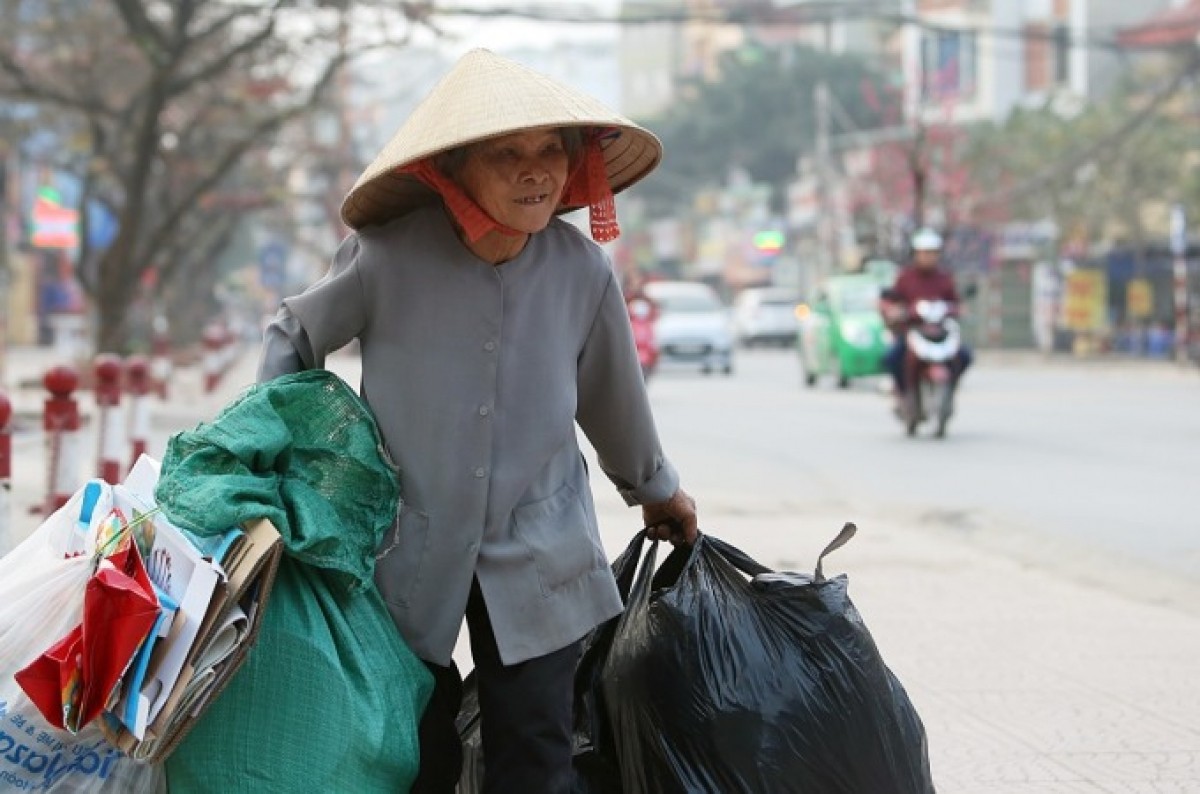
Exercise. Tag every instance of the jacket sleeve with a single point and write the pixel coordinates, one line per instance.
(613, 408)
(324, 318)
(285, 349)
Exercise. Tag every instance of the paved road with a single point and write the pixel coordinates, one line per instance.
(1092, 461)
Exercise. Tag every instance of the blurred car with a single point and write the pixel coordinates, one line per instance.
(693, 326)
(842, 334)
(765, 315)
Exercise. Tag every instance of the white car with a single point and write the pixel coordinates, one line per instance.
(765, 315)
(693, 326)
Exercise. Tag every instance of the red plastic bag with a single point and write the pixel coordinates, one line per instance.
(73, 680)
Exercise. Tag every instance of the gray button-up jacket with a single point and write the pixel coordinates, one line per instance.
(477, 375)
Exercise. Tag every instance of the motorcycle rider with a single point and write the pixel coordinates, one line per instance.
(922, 279)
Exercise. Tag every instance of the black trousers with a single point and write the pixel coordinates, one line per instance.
(525, 711)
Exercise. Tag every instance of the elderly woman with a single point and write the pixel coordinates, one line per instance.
(488, 329)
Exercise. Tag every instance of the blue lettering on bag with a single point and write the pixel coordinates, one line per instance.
(88, 763)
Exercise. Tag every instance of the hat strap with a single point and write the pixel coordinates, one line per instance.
(471, 218)
(588, 186)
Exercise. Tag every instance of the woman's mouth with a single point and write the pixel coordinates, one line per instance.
(533, 201)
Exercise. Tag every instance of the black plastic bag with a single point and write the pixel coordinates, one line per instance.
(719, 683)
(713, 683)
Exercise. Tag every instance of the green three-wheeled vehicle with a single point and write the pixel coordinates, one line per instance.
(842, 334)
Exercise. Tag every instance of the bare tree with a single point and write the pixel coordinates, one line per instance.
(158, 105)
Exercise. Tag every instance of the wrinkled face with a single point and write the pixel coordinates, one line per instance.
(928, 260)
(518, 179)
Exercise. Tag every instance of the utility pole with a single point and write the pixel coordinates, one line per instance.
(826, 224)
(1179, 252)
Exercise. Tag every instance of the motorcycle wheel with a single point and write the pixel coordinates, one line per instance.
(941, 398)
(912, 407)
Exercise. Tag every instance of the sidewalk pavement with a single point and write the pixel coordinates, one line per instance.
(1115, 362)
(1031, 676)
(1027, 679)
(187, 404)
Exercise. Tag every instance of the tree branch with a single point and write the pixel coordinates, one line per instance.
(203, 243)
(222, 62)
(25, 87)
(149, 39)
(234, 154)
(222, 24)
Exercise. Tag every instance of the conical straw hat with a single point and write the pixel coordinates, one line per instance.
(484, 96)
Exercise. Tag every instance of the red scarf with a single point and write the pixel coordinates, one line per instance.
(587, 186)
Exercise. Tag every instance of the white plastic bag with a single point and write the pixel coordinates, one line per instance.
(41, 599)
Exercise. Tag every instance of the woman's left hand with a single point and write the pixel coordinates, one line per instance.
(673, 520)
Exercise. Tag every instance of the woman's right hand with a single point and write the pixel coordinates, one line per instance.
(674, 520)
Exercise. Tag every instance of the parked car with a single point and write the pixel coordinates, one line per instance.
(693, 326)
(765, 315)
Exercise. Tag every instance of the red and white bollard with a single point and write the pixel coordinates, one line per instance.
(5, 470)
(214, 341)
(137, 382)
(60, 421)
(108, 400)
(161, 367)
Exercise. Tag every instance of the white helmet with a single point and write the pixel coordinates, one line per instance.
(926, 239)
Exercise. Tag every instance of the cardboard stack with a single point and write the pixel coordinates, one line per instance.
(213, 593)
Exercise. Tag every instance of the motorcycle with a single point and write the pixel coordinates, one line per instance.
(641, 319)
(933, 344)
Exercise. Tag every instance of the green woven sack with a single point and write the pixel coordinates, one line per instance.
(330, 697)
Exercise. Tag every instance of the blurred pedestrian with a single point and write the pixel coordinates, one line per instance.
(488, 328)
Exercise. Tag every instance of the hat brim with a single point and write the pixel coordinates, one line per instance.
(484, 97)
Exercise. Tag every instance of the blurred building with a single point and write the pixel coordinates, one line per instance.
(977, 60)
(861, 28)
(649, 55)
(658, 59)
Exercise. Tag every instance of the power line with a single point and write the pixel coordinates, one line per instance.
(813, 13)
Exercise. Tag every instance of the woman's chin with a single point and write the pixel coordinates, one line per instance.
(531, 223)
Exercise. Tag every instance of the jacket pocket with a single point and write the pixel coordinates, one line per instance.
(559, 537)
(399, 565)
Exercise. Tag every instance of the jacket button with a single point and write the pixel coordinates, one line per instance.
(484, 410)
(489, 346)
(480, 472)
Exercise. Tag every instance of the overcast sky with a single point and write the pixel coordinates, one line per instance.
(509, 32)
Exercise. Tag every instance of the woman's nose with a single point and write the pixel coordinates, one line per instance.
(533, 173)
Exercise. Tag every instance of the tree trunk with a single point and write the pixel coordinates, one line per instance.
(116, 294)
(920, 182)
